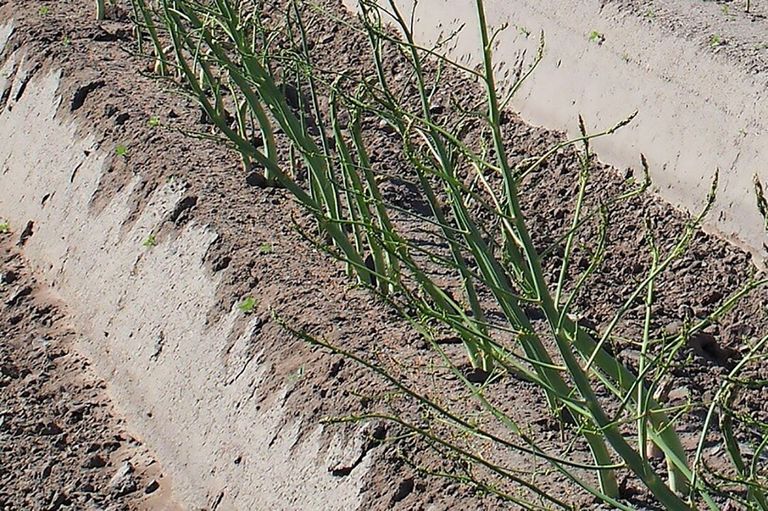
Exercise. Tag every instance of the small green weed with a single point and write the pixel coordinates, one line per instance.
(154, 121)
(5, 227)
(297, 375)
(248, 305)
(150, 242)
(44, 10)
(121, 150)
(716, 40)
(265, 248)
(596, 37)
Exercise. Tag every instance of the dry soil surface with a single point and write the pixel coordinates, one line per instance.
(306, 287)
(63, 446)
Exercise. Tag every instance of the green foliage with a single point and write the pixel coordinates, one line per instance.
(44, 10)
(150, 241)
(5, 227)
(248, 305)
(154, 121)
(145, 19)
(101, 9)
(265, 248)
(596, 37)
(228, 62)
(121, 150)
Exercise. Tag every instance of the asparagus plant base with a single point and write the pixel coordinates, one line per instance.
(311, 292)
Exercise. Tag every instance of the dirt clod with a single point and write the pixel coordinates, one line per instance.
(26, 233)
(708, 347)
(151, 487)
(94, 461)
(404, 488)
(123, 483)
(81, 94)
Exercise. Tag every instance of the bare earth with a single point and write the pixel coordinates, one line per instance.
(64, 446)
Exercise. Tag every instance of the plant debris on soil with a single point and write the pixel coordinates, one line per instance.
(60, 445)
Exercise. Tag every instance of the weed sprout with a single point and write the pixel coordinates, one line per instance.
(248, 305)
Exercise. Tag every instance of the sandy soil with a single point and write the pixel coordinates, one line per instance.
(723, 25)
(63, 445)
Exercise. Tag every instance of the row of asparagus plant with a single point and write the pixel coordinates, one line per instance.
(262, 91)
